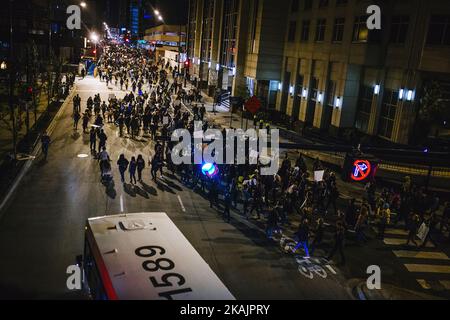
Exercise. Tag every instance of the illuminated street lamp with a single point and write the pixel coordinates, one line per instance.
(94, 39)
(3, 65)
(83, 4)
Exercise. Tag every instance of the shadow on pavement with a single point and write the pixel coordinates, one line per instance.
(163, 187)
(129, 189)
(141, 192)
(148, 189)
(110, 190)
(171, 184)
(75, 136)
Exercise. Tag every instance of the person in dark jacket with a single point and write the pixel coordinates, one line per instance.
(132, 169)
(302, 237)
(318, 235)
(122, 163)
(45, 143)
(272, 222)
(102, 140)
(227, 203)
(93, 139)
(339, 238)
(140, 163)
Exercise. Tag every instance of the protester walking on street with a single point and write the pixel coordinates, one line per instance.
(140, 165)
(339, 238)
(76, 119)
(122, 163)
(413, 226)
(45, 143)
(132, 170)
(93, 139)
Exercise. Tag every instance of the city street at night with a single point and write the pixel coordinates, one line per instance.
(331, 180)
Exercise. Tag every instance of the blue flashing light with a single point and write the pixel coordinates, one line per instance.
(210, 170)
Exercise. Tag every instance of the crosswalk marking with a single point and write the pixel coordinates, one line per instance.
(427, 268)
(398, 237)
(420, 254)
(424, 284)
(397, 241)
(396, 232)
(445, 284)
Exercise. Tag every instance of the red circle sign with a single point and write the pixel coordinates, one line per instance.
(361, 170)
(253, 104)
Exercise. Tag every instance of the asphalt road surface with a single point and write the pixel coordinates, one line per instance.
(42, 228)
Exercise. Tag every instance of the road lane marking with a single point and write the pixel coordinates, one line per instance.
(330, 268)
(181, 204)
(427, 268)
(121, 203)
(420, 254)
(396, 242)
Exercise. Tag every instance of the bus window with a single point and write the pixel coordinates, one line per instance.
(93, 282)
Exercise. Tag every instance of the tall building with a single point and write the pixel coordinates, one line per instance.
(169, 42)
(339, 75)
(234, 45)
(317, 62)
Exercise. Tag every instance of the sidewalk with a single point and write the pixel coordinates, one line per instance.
(391, 173)
(222, 119)
(6, 144)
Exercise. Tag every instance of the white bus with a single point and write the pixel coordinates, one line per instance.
(144, 256)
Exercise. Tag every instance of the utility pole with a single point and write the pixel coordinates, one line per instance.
(11, 80)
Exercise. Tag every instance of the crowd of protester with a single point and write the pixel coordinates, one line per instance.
(154, 106)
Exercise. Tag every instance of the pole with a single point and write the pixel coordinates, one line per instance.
(430, 169)
(11, 81)
(179, 49)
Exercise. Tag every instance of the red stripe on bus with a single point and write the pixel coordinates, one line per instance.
(107, 283)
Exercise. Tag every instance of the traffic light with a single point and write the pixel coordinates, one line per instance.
(28, 94)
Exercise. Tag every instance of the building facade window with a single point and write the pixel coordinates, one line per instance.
(364, 108)
(314, 88)
(208, 18)
(340, 3)
(192, 26)
(320, 30)
(229, 33)
(399, 29)
(439, 30)
(295, 5)
(388, 112)
(323, 3)
(331, 93)
(338, 32)
(308, 4)
(254, 26)
(292, 29)
(305, 30)
(360, 31)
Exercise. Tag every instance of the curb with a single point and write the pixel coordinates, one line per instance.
(35, 153)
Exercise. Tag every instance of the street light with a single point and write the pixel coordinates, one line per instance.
(157, 12)
(83, 4)
(94, 39)
(3, 65)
